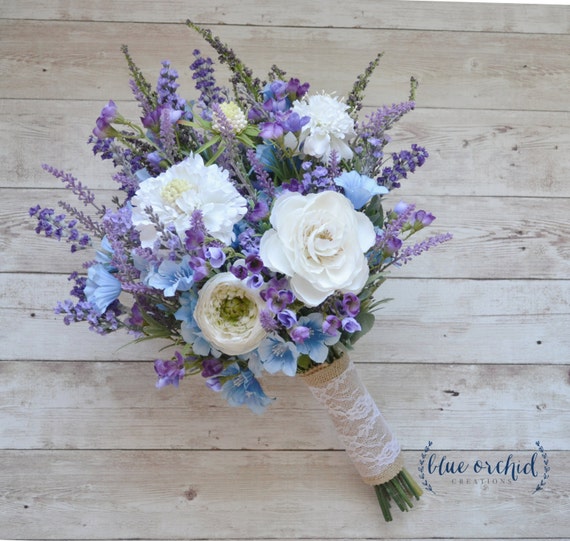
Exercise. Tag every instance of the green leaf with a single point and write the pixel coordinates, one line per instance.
(208, 144)
(374, 211)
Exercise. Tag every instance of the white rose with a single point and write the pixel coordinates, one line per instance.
(319, 241)
(227, 313)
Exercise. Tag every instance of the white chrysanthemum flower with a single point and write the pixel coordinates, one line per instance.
(234, 117)
(188, 186)
(329, 128)
(227, 313)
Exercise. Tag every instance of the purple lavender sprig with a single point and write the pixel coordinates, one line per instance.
(407, 253)
(356, 96)
(403, 162)
(83, 193)
(205, 83)
(242, 78)
(142, 90)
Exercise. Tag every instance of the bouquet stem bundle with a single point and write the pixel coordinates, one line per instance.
(361, 427)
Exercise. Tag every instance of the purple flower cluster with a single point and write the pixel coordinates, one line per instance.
(278, 99)
(55, 226)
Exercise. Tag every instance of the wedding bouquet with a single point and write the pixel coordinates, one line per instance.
(249, 232)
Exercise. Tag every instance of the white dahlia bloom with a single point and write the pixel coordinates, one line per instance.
(188, 186)
(319, 241)
(330, 126)
(227, 313)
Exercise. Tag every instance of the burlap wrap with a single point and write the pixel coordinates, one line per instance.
(360, 426)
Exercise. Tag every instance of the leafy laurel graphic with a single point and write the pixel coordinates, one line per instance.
(421, 463)
(545, 476)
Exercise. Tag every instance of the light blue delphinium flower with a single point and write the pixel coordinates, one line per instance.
(276, 354)
(101, 288)
(359, 188)
(189, 329)
(171, 276)
(243, 389)
(315, 345)
(105, 254)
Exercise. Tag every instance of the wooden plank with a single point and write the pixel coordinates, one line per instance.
(484, 71)
(114, 405)
(368, 14)
(252, 495)
(491, 153)
(497, 238)
(451, 321)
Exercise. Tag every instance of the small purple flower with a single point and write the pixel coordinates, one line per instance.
(331, 325)
(103, 128)
(260, 210)
(351, 304)
(422, 219)
(393, 244)
(277, 299)
(217, 256)
(199, 267)
(211, 367)
(287, 318)
(239, 271)
(254, 263)
(214, 384)
(270, 130)
(349, 324)
(300, 333)
(400, 207)
(255, 281)
(169, 372)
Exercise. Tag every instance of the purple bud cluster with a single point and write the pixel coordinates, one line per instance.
(205, 83)
(166, 88)
(403, 162)
(54, 225)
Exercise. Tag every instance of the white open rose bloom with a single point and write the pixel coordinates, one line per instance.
(319, 241)
(329, 128)
(183, 188)
(227, 313)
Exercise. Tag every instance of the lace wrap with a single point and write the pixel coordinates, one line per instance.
(368, 440)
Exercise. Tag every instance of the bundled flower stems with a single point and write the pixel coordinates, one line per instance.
(250, 231)
(361, 427)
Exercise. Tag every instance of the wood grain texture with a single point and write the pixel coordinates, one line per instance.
(255, 495)
(472, 354)
(449, 16)
(112, 405)
(484, 71)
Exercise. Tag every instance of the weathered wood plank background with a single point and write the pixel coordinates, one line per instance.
(472, 355)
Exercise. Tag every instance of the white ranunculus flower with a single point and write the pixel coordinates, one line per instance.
(227, 313)
(329, 128)
(319, 241)
(183, 188)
